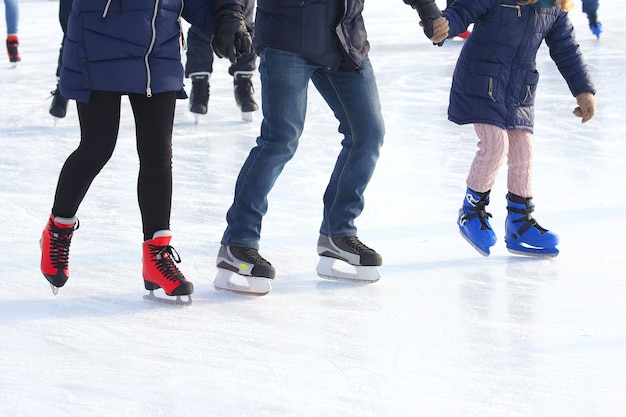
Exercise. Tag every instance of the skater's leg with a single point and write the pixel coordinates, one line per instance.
(353, 97)
(520, 163)
(493, 145)
(12, 14)
(285, 77)
(99, 124)
(154, 118)
(473, 220)
(199, 53)
(523, 234)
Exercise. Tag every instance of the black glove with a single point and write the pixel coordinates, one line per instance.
(428, 11)
(231, 38)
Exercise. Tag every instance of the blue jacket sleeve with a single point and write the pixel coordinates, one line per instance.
(565, 52)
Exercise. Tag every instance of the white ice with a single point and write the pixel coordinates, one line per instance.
(445, 332)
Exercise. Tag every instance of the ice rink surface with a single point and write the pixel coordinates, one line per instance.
(445, 332)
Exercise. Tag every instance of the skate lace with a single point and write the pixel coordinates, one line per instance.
(250, 255)
(479, 211)
(166, 258)
(527, 219)
(60, 239)
(353, 243)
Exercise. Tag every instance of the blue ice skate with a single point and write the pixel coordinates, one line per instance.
(523, 235)
(596, 29)
(473, 222)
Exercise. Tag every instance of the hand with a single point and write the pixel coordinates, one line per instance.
(428, 12)
(231, 38)
(586, 106)
(441, 30)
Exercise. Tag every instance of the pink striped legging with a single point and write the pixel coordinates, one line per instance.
(494, 145)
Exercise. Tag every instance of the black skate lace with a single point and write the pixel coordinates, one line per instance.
(355, 244)
(164, 257)
(479, 210)
(250, 256)
(527, 219)
(60, 239)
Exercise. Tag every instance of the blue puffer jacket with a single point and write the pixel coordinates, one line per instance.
(129, 46)
(323, 31)
(495, 79)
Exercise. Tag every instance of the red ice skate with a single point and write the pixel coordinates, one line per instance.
(14, 55)
(55, 250)
(160, 270)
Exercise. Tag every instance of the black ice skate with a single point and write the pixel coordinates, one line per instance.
(350, 250)
(243, 270)
(199, 96)
(244, 94)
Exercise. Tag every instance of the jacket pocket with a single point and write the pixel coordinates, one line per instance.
(482, 81)
(527, 95)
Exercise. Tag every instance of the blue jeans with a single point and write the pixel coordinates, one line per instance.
(12, 16)
(353, 97)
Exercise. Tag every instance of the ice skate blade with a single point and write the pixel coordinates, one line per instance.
(174, 301)
(247, 116)
(363, 274)
(55, 289)
(533, 254)
(196, 118)
(479, 250)
(225, 280)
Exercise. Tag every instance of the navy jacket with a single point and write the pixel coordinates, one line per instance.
(129, 46)
(323, 31)
(495, 79)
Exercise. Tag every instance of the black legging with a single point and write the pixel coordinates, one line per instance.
(99, 126)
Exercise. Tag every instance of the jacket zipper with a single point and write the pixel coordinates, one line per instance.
(490, 92)
(528, 93)
(514, 6)
(106, 9)
(152, 41)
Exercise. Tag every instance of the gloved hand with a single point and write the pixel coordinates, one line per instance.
(441, 30)
(586, 106)
(429, 12)
(231, 38)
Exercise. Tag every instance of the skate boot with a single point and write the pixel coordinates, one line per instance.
(55, 250)
(160, 270)
(523, 235)
(594, 25)
(199, 96)
(255, 272)
(14, 55)
(352, 251)
(244, 94)
(473, 222)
